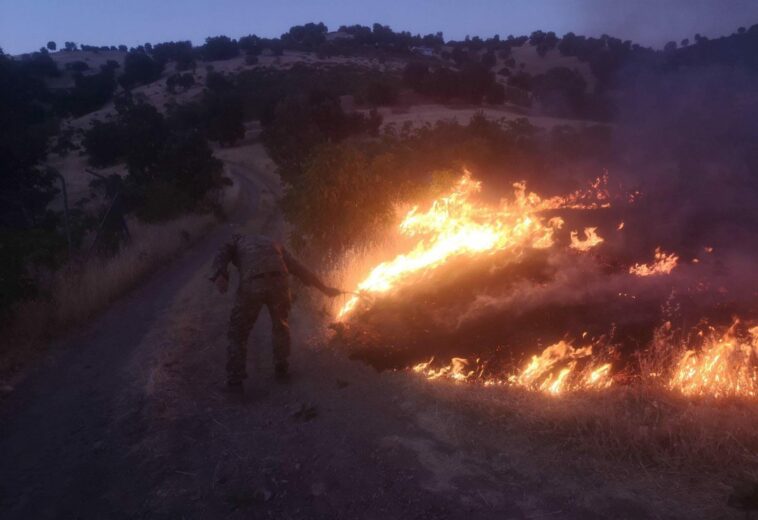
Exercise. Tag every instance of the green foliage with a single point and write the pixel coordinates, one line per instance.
(300, 123)
(347, 193)
(220, 48)
(473, 83)
(104, 143)
(306, 37)
(171, 168)
(344, 194)
(183, 81)
(179, 52)
(28, 230)
(139, 69)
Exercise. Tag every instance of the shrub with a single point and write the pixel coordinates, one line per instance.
(220, 48)
(139, 68)
(104, 143)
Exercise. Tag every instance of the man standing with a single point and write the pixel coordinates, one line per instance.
(263, 265)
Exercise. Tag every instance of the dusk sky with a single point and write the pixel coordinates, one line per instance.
(26, 25)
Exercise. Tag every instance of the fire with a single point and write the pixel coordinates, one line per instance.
(455, 225)
(554, 371)
(591, 239)
(560, 368)
(458, 369)
(724, 366)
(663, 263)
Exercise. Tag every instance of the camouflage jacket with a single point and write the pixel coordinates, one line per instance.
(257, 254)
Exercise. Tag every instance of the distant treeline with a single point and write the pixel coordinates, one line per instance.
(171, 168)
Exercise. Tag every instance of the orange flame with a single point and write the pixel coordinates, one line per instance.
(591, 239)
(455, 226)
(663, 263)
(725, 366)
(555, 371)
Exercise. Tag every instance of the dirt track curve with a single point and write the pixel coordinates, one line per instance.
(129, 421)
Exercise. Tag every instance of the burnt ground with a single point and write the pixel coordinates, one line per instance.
(128, 419)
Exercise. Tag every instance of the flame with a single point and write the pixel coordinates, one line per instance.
(591, 239)
(458, 370)
(554, 371)
(724, 366)
(663, 263)
(454, 226)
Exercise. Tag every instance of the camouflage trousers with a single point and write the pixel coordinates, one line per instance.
(251, 297)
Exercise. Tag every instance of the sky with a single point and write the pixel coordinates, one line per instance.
(26, 25)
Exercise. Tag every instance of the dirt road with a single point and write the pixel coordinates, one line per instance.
(129, 420)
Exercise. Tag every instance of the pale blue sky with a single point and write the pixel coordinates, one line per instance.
(25, 25)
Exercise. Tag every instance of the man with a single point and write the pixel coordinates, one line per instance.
(263, 265)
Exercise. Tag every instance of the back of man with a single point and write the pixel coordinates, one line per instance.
(264, 265)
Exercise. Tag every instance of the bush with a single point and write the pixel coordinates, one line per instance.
(104, 143)
(180, 52)
(380, 93)
(561, 91)
(184, 81)
(77, 66)
(139, 68)
(220, 48)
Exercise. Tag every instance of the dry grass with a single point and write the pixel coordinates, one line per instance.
(644, 425)
(80, 290)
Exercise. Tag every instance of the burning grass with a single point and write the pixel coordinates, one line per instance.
(462, 251)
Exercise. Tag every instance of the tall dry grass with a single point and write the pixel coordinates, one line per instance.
(81, 289)
(640, 424)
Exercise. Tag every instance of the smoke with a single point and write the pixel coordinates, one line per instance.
(685, 145)
(687, 141)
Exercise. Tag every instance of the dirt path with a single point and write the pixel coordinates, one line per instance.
(130, 421)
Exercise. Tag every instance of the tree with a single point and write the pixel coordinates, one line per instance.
(28, 228)
(488, 59)
(51, 45)
(220, 48)
(183, 81)
(562, 91)
(306, 37)
(77, 66)
(251, 44)
(70, 46)
(139, 68)
(104, 143)
(224, 110)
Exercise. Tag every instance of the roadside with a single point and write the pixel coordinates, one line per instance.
(82, 289)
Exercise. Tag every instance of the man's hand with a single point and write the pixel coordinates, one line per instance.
(222, 284)
(331, 291)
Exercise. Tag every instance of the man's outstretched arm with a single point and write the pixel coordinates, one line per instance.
(307, 276)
